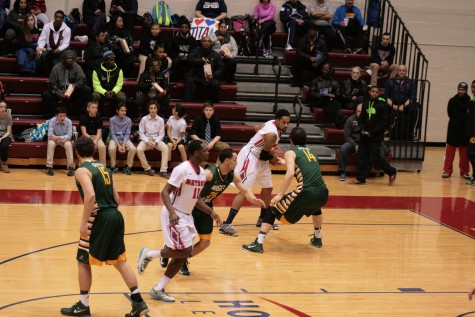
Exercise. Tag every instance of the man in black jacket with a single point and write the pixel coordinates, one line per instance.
(182, 44)
(294, 16)
(107, 81)
(373, 121)
(199, 60)
(312, 53)
(94, 13)
(153, 85)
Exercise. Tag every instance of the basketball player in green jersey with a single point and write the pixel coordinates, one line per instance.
(218, 178)
(101, 230)
(307, 199)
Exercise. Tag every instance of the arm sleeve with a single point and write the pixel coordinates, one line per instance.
(142, 135)
(112, 132)
(119, 84)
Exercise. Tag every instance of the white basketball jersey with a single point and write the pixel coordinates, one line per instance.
(188, 183)
(256, 144)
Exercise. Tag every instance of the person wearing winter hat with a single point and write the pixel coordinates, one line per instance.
(457, 137)
(67, 82)
(107, 81)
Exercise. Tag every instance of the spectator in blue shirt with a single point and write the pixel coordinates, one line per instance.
(348, 21)
(119, 132)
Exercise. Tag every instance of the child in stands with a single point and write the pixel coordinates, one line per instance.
(176, 126)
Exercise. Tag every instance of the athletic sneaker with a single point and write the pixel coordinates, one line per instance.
(392, 178)
(185, 270)
(78, 309)
(342, 177)
(138, 309)
(127, 170)
(255, 247)
(316, 242)
(470, 182)
(150, 172)
(164, 261)
(71, 171)
(466, 176)
(161, 295)
(143, 260)
(49, 171)
(113, 169)
(227, 229)
(445, 175)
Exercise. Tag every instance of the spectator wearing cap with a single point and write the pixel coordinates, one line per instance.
(107, 81)
(65, 77)
(457, 137)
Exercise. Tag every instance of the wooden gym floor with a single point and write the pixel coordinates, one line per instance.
(405, 250)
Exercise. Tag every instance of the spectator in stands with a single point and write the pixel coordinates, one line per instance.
(321, 15)
(64, 77)
(153, 86)
(4, 6)
(294, 16)
(94, 14)
(14, 25)
(382, 57)
(29, 34)
(54, 39)
(325, 94)
(352, 138)
(264, 13)
(119, 131)
(226, 46)
(127, 9)
(60, 132)
(373, 122)
(149, 44)
(152, 132)
(91, 126)
(312, 53)
(348, 21)
(182, 44)
(212, 9)
(176, 127)
(108, 81)
(165, 61)
(94, 53)
(400, 94)
(38, 9)
(471, 134)
(206, 66)
(5, 135)
(121, 43)
(354, 90)
(457, 137)
(207, 128)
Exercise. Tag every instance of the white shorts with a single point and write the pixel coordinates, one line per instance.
(252, 170)
(181, 235)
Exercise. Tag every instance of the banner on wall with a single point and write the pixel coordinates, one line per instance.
(202, 27)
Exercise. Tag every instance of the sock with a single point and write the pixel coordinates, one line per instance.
(154, 254)
(232, 213)
(261, 236)
(318, 233)
(162, 283)
(84, 298)
(263, 213)
(135, 294)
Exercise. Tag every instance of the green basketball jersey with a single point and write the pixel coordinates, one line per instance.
(307, 169)
(102, 183)
(216, 186)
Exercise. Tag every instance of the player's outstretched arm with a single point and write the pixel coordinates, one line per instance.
(247, 193)
(289, 158)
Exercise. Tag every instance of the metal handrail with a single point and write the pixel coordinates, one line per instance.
(298, 114)
(277, 69)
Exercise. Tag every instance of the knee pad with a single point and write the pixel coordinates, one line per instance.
(270, 216)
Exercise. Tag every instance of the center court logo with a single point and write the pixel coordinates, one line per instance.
(248, 308)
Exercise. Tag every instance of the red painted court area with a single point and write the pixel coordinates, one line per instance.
(454, 212)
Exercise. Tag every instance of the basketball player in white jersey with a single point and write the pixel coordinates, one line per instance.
(253, 166)
(179, 196)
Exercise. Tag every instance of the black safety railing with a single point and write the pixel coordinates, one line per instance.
(277, 69)
(408, 130)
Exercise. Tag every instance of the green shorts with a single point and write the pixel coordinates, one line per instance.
(106, 241)
(203, 223)
(294, 205)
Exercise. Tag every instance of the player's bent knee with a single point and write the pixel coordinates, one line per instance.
(317, 213)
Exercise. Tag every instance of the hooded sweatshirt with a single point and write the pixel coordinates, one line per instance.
(104, 79)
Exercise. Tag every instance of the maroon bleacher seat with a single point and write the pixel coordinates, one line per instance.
(227, 92)
(340, 59)
(321, 117)
(333, 136)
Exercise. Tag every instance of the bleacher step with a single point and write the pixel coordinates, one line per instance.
(259, 97)
(245, 87)
(263, 69)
